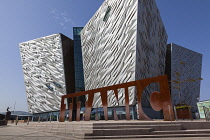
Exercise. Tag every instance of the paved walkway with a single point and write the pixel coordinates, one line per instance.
(13, 132)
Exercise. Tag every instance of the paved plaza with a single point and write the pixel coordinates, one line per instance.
(20, 132)
(12, 132)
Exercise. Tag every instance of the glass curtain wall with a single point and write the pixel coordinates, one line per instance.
(78, 64)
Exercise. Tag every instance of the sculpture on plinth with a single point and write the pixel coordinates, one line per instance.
(8, 114)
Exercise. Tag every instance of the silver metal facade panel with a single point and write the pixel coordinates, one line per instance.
(151, 46)
(42, 62)
(109, 48)
(125, 44)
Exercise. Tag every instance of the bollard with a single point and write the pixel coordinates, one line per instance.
(28, 121)
(50, 118)
(96, 115)
(115, 114)
(16, 122)
(39, 120)
(175, 113)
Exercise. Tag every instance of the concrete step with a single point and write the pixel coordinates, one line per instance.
(123, 131)
(197, 131)
(161, 127)
(133, 123)
(147, 136)
(196, 125)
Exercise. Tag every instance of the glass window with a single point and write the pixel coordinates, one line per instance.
(107, 13)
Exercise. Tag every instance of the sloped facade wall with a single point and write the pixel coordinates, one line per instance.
(118, 46)
(44, 74)
(188, 64)
(151, 46)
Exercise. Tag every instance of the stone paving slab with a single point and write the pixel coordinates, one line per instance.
(16, 133)
(24, 132)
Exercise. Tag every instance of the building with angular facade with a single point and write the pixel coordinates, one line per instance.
(48, 67)
(124, 41)
(204, 109)
(183, 67)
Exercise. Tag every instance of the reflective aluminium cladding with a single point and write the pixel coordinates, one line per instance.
(47, 66)
(183, 67)
(124, 41)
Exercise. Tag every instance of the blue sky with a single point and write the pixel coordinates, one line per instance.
(187, 24)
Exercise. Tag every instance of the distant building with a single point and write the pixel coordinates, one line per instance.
(124, 41)
(22, 115)
(204, 105)
(183, 67)
(48, 67)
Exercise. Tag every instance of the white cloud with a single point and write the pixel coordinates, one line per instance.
(62, 18)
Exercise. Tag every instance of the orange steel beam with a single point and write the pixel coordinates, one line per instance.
(78, 111)
(62, 111)
(127, 108)
(159, 100)
(104, 102)
(89, 106)
(70, 111)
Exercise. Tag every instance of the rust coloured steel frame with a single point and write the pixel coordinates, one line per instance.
(158, 100)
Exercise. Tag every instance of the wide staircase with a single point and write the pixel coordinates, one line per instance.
(148, 130)
(123, 129)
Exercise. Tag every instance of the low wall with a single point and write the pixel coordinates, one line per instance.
(3, 122)
(19, 121)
